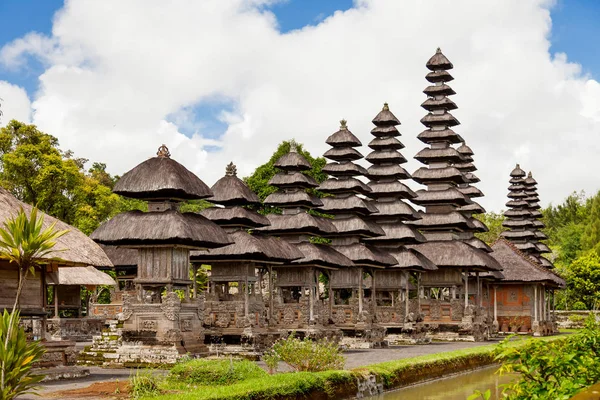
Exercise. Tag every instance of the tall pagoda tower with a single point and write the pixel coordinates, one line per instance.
(519, 219)
(390, 196)
(297, 304)
(234, 305)
(445, 223)
(350, 210)
(163, 237)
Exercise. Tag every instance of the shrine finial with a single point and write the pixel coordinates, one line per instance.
(386, 107)
(343, 125)
(231, 169)
(163, 152)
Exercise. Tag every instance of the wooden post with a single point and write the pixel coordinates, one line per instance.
(246, 302)
(330, 291)
(495, 305)
(360, 290)
(55, 291)
(466, 289)
(418, 292)
(406, 305)
(310, 297)
(195, 282)
(270, 293)
(479, 300)
(535, 304)
(374, 293)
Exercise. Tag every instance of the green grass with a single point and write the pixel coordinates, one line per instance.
(259, 385)
(215, 372)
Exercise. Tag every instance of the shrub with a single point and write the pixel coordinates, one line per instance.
(17, 355)
(215, 372)
(272, 360)
(144, 383)
(308, 355)
(579, 306)
(552, 370)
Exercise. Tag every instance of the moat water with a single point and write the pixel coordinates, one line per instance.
(457, 387)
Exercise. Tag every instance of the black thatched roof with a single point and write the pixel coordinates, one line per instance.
(438, 62)
(465, 167)
(473, 208)
(357, 226)
(457, 254)
(387, 188)
(412, 260)
(470, 191)
(344, 169)
(397, 234)
(292, 161)
(449, 221)
(321, 255)
(518, 267)
(465, 150)
(235, 216)
(385, 131)
(517, 172)
(343, 137)
(380, 143)
(439, 90)
(137, 228)
(432, 104)
(397, 209)
(73, 248)
(385, 117)
(451, 195)
(366, 256)
(348, 185)
(293, 180)
(344, 205)
(232, 191)
(479, 244)
(377, 172)
(301, 223)
(343, 154)
(438, 175)
(446, 135)
(385, 156)
(247, 247)
(439, 76)
(446, 119)
(298, 198)
(161, 178)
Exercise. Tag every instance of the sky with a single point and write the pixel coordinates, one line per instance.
(220, 81)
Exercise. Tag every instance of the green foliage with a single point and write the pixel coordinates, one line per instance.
(552, 370)
(36, 171)
(578, 306)
(478, 394)
(494, 223)
(259, 180)
(590, 239)
(271, 358)
(144, 383)
(583, 280)
(17, 355)
(215, 372)
(24, 243)
(308, 355)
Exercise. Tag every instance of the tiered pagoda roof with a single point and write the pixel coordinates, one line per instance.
(236, 217)
(390, 195)
(163, 182)
(346, 205)
(448, 174)
(295, 224)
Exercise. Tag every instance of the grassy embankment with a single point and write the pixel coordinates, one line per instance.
(241, 380)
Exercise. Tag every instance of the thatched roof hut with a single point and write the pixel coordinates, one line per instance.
(73, 248)
(79, 276)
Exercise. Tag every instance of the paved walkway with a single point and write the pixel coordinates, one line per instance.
(354, 358)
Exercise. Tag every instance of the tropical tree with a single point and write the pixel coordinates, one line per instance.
(25, 244)
(494, 223)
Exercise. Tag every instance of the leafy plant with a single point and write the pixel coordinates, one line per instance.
(308, 355)
(272, 360)
(215, 372)
(17, 356)
(552, 370)
(478, 394)
(144, 383)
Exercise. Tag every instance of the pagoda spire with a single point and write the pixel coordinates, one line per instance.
(391, 196)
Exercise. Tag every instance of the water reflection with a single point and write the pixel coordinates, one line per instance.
(458, 387)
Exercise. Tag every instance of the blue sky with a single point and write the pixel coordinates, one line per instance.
(575, 32)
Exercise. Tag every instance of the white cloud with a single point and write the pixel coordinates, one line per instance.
(14, 103)
(117, 69)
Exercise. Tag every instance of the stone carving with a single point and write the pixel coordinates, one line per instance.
(222, 320)
(149, 325)
(186, 325)
(339, 317)
(289, 316)
(171, 306)
(173, 335)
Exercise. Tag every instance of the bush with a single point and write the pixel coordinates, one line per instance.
(17, 355)
(215, 372)
(272, 360)
(579, 306)
(552, 370)
(144, 383)
(308, 355)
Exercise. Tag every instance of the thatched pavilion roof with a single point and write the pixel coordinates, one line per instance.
(301, 223)
(235, 216)
(518, 267)
(83, 276)
(121, 256)
(320, 255)
(137, 228)
(457, 254)
(161, 178)
(73, 248)
(232, 191)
